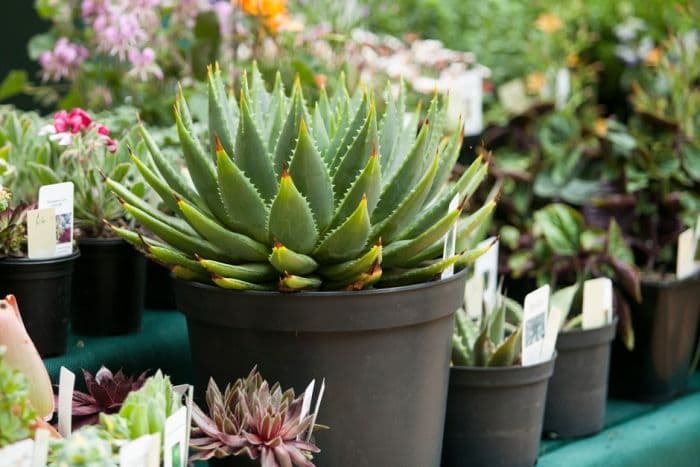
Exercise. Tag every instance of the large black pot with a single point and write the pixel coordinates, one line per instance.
(160, 294)
(108, 288)
(578, 389)
(665, 326)
(43, 291)
(494, 415)
(384, 354)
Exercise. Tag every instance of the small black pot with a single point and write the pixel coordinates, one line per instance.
(108, 288)
(578, 389)
(665, 326)
(494, 415)
(384, 354)
(160, 293)
(43, 291)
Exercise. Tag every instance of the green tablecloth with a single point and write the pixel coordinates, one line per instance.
(635, 435)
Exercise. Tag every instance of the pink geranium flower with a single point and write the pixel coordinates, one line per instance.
(63, 61)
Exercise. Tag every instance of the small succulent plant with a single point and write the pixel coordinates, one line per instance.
(106, 394)
(16, 412)
(13, 227)
(90, 446)
(492, 340)
(290, 198)
(254, 421)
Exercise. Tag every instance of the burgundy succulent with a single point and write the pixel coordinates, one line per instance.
(106, 393)
(254, 420)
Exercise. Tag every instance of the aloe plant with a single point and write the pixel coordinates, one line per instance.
(291, 197)
(492, 340)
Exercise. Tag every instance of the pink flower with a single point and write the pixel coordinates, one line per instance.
(102, 130)
(72, 122)
(111, 145)
(63, 61)
(143, 64)
(117, 32)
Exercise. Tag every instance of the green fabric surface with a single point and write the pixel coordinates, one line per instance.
(161, 343)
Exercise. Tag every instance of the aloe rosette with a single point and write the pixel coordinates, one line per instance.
(290, 197)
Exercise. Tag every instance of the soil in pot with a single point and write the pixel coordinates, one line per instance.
(43, 291)
(160, 294)
(578, 390)
(384, 355)
(108, 288)
(494, 415)
(665, 326)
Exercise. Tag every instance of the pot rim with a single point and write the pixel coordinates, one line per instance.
(671, 282)
(502, 376)
(578, 338)
(100, 240)
(41, 261)
(319, 294)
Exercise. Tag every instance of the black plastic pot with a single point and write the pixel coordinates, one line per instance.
(160, 294)
(665, 326)
(108, 288)
(578, 389)
(494, 415)
(384, 354)
(43, 291)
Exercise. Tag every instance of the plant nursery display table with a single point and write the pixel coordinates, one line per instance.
(635, 434)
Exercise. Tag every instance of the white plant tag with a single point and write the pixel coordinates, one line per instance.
(59, 196)
(449, 245)
(597, 303)
(535, 311)
(513, 96)
(685, 255)
(551, 332)
(316, 409)
(41, 233)
(474, 296)
(487, 264)
(306, 401)
(66, 383)
(466, 100)
(41, 448)
(186, 392)
(562, 87)
(17, 454)
(141, 452)
(175, 439)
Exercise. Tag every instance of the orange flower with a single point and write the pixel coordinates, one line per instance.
(265, 8)
(321, 80)
(282, 22)
(653, 57)
(600, 127)
(549, 23)
(535, 82)
(572, 60)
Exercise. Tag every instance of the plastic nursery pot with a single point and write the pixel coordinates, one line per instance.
(160, 294)
(578, 390)
(43, 291)
(494, 415)
(665, 326)
(384, 354)
(108, 288)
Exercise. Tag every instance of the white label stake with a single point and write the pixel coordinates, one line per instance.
(141, 452)
(597, 303)
(65, 401)
(41, 233)
(535, 310)
(487, 264)
(175, 439)
(318, 406)
(59, 196)
(41, 448)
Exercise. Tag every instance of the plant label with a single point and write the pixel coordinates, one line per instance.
(474, 296)
(306, 401)
(448, 247)
(59, 196)
(535, 311)
(66, 383)
(141, 452)
(185, 392)
(513, 96)
(466, 102)
(175, 439)
(41, 233)
(316, 409)
(597, 303)
(562, 87)
(487, 265)
(551, 332)
(41, 448)
(686, 264)
(18, 454)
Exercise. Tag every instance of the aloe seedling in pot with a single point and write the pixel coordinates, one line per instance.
(290, 198)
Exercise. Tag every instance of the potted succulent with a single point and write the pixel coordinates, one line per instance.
(109, 278)
(237, 431)
(652, 190)
(42, 285)
(344, 207)
(495, 405)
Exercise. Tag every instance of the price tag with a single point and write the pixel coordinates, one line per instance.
(466, 101)
(41, 233)
(487, 265)
(141, 452)
(597, 303)
(448, 247)
(65, 401)
(535, 310)
(17, 454)
(60, 197)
